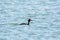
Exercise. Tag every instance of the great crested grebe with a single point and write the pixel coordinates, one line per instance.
(29, 20)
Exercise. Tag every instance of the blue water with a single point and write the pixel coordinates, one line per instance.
(45, 15)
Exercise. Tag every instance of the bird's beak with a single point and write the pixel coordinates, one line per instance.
(31, 20)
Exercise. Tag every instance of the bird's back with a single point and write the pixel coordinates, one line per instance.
(23, 24)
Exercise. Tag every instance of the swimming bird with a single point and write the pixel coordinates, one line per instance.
(29, 20)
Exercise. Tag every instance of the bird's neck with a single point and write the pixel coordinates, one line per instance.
(28, 23)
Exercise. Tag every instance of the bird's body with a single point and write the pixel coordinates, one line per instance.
(23, 24)
(26, 23)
